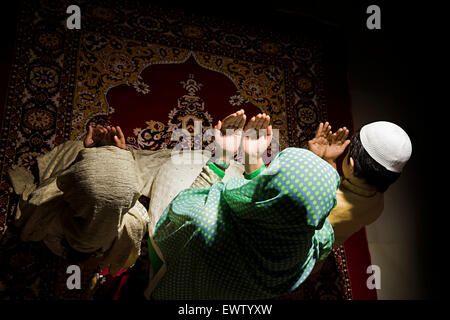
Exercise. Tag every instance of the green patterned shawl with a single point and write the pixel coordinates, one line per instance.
(248, 239)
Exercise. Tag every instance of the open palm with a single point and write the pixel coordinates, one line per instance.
(228, 135)
(257, 136)
(101, 136)
(337, 144)
(95, 136)
(320, 143)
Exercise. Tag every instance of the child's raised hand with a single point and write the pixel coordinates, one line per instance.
(228, 135)
(258, 136)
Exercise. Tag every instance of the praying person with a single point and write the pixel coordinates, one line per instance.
(376, 157)
(251, 237)
(84, 204)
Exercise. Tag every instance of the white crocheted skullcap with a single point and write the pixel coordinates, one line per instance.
(387, 144)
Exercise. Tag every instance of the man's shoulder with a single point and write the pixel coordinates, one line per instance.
(366, 208)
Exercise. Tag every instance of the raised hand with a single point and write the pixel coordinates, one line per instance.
(228, 135)
(320, 143)
(337, 144)
(257, 137)
(95, 136)
(117, 137)
(101, 136)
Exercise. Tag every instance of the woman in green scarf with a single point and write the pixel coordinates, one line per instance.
(252, 237)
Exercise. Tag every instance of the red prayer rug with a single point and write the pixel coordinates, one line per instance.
(153, 70)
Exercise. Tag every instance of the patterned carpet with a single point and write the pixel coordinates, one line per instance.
(150, 70)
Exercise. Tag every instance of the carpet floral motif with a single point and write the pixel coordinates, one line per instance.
(60, 81)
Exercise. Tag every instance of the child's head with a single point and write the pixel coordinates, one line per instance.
(377, 154)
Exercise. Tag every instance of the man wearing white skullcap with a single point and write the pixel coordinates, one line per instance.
(387, 144)
(376, 157)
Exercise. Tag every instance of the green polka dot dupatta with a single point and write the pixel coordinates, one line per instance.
(248, 239)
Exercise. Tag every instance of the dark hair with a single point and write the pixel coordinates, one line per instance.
(368, 169)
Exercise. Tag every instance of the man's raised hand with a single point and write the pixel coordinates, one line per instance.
(320, 143)
(337, 144)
